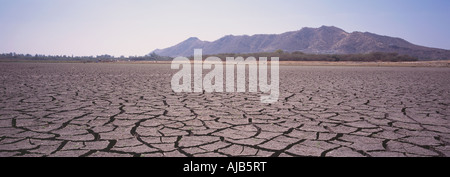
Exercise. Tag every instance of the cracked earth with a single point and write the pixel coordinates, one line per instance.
(130, 110)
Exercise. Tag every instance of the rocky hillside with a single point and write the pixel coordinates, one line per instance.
(323, 40)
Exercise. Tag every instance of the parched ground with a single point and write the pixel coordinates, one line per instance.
(51, 109)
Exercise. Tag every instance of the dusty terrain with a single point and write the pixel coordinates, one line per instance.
(75, 109)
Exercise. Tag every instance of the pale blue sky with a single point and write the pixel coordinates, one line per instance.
(136, 27)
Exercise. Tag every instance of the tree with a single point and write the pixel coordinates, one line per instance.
(279, 51)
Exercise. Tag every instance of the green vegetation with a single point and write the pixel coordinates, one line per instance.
(98, 58)
(283, 56)
(300, 56)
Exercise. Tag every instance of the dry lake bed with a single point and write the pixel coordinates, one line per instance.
(76, 109)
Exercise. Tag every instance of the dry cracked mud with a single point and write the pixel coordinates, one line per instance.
(93, 110)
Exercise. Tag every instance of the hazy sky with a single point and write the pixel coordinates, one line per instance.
(137, 27)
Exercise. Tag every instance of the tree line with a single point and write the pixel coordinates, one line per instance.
(300, 56)
(282, 55)
(101, 58)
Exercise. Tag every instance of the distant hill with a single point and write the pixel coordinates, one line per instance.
(323, 40)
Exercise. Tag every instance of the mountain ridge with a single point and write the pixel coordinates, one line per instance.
(322, 40)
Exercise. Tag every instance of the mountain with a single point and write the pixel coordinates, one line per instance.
(323, 40)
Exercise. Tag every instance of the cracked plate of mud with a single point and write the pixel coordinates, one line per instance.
(98, 110)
